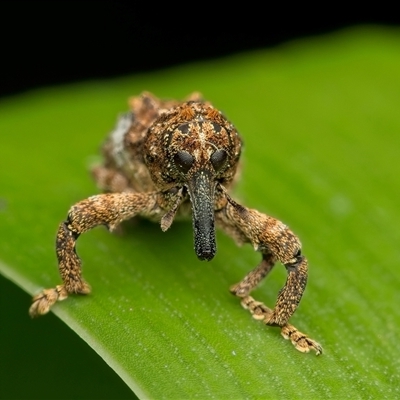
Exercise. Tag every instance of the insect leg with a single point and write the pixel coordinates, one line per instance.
(104, 209)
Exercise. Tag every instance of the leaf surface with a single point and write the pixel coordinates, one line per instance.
(320, 120)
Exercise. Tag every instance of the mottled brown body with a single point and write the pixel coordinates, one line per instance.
(168, 158)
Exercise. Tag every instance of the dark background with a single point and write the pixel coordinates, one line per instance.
(52, 42)
(49, 43)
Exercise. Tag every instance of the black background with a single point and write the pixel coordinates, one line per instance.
(53, 42)
(49, 43)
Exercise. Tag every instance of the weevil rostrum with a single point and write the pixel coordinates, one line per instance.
(171, 158)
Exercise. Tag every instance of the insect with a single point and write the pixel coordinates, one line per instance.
(170, 158)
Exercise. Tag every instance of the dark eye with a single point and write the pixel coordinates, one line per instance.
(183, 161)
(218, 159)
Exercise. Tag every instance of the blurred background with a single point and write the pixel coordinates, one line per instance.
(49, 43)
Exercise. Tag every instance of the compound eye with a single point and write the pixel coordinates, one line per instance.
(183, 161)
(218, 159)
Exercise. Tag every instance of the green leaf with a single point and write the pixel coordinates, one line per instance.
(320, 120)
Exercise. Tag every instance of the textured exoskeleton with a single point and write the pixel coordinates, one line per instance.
(166, 158)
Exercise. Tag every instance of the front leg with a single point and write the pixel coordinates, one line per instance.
(277, 243)
(105, 209)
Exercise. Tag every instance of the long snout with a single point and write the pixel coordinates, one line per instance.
(201, 189)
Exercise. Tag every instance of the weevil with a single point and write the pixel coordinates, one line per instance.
(168, 158)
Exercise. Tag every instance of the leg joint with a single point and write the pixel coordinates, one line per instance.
(293, 265)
